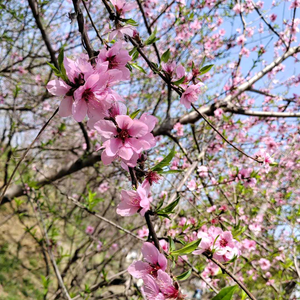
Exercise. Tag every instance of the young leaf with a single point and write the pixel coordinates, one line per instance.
(169, 208)
(179, 81)
(165, 162)
(152, 38)
(172, 244)
(61, 64)
(169, 172)
(56, 71)
(205, 69)
(166, 56)
(226, 293)
(134, 114)
(187, 249)
(184, 275)
(136, 66)
(131, 22)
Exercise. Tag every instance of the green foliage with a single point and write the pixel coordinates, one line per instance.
(166, 56)
(226, 293)
(165, 162)
(185, 275)
(152, 38)
(187, 249)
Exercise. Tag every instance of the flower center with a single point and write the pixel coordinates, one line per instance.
(223, 243)
(86, 95)
(112, 63)
(123, 135)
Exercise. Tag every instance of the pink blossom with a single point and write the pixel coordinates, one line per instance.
(143, 232)
(169, 67)
(121, 31)
(135, 201)
(99, 246)
(89, 230)
(192, 185)
(238, 8)
(203, 171)
(126, 138)
(264, 264)
(178, 128)
(241, 40)
(191, 94)
(153, 261)
(218, 112)
(218, 242)
(273, 17)
(164, 245)
(117, 58)
(211, 209)
(103, 187)
(122, 6)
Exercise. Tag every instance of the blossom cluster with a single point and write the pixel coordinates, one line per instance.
(218, 243)
(157, 283)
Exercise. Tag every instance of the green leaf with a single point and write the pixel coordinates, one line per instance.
(184, 275)
(135, 55)
(172, 244)
(165, 162)
(132, 50)
(163, 215)
(205, 69)
(56, 71)
(169, 208)
(152, 38)
(226, 293)
(169, 172)
(179, 81)
(134, 114)
(130, 22)
(61, 64)
(136, 66)
(166, 56)
(187, 249)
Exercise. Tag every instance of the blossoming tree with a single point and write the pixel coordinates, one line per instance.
(150, 149)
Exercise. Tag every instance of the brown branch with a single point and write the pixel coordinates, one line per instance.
(84, 37)
(231, 275)
(34, 8)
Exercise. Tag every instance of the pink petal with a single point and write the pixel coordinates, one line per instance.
(57, 87)
(150, 253)
(106, 159)
(162, 261)
(113, 147)
(124, 209)
(65, 107)
(149, 120)
(79, 110)
(139, 269)
(107, 129)
(125, 153)
(138, 129)
(124, 122)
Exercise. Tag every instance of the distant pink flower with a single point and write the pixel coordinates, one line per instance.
(203, 171)
(121, 31)
(89, 230)
(264, 264)
(191, 94)
(103, 187)
(211, 209)
(218, 112)
(192, 185)
(178, 128)
(135, 201)
(99, 246)
(238, 8)
(164, 245)
(153, 261)
(273, 17)
(126, 138)
(143, 232)
(241, 40)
